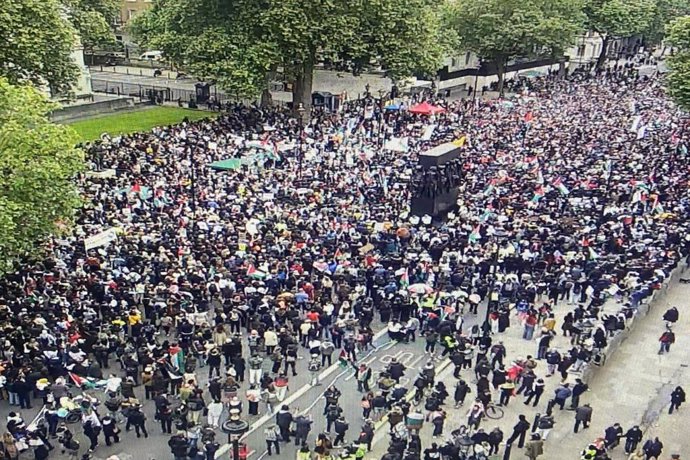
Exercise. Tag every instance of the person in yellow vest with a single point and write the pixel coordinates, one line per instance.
(304, 453)
(450, 344)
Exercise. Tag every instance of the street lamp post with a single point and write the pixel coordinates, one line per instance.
(235, 427)
(300, 115)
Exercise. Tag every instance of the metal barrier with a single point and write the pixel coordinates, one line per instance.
(151, 92)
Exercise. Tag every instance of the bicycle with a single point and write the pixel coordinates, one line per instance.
(494, 412)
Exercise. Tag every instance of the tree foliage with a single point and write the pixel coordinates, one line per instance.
(619, 18)
(664, 12)
(36, 44)
(38, 163)
(93, 20)
(501, 30)
(240, 43)
(678, 80)
(613, 19)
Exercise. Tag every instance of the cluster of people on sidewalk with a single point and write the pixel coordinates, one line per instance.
(575, 192)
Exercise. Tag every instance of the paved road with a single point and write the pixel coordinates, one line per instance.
(633, 387)
(130, 80)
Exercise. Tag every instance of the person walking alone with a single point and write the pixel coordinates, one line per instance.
(271, 434)
(583, 415)
(666, 340)
(677, 398)
(519, 431)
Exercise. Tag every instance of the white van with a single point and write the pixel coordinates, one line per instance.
(152, 56)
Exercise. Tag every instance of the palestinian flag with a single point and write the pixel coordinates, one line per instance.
(252, 272)
(475, 236)
(558, 183)
(538, 194)
(593, 254)
(657, 207)
(79, 381)
(638, 184)
(405, 279)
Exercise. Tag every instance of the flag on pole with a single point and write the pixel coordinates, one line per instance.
(475, 235)
(558, 183)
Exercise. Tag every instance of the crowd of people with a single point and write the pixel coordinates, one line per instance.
(573, 193)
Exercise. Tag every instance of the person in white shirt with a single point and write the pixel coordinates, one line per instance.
(214, 410)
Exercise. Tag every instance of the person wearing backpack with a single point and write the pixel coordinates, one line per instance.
(332, 413)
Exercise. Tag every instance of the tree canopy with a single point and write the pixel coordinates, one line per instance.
(93, 20)
(240, 44)
(678, 80)
(664, 12)
(37, 40)
(38, 162)
(613, 19)
(501, 30)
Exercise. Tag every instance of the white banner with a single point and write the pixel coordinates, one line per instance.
(100, 239)
(105, 174)
(397, 144)
(428, 132)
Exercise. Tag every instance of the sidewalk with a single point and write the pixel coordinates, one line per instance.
(619, 391)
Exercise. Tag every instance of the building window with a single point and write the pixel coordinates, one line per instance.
(581, 50)
(131, 14)
(453, 63)
(468, 55)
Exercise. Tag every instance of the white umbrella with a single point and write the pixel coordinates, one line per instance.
(474, 298)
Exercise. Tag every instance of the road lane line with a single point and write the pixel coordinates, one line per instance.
(299, 393)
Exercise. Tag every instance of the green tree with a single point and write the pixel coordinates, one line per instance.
(38, 163)
(243, 46)
(664, 12)
(501, 30)
(93, 20)
(614, 19)
(36, 44)
(678, 79)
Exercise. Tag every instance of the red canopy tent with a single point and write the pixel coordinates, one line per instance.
(426, 109)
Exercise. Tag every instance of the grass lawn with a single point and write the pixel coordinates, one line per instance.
(129, 122)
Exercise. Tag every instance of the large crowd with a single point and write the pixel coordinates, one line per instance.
(573, 192)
